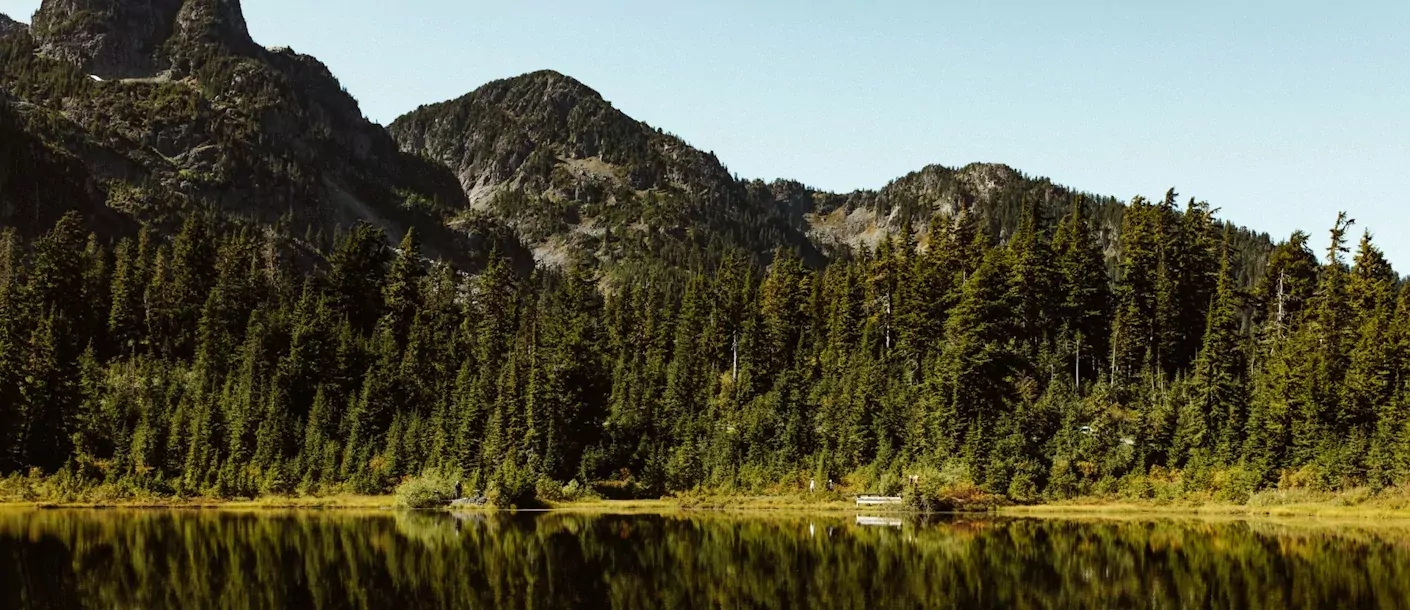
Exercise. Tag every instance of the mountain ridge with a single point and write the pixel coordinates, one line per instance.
(168, 105)
(553, 157)
(9, 26)
(171, 106)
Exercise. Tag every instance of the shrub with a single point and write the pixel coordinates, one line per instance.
(432, 489)
(949, 489)
(548, 490)
(574, 491)
(513, 486)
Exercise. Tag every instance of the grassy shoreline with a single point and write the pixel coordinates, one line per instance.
(348, 501)
(1311, 510)
(341, 501)
(1338, 507)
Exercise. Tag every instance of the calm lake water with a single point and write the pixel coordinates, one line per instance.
(327, 559)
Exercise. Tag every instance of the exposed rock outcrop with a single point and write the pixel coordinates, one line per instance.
(556, 160)
(139, 38)
(566, 168)
(9, 26)
(190, 111)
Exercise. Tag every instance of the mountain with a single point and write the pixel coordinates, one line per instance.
(574, 175)
(169, 106)
(142, 111)
(10, 26)
(116, 39)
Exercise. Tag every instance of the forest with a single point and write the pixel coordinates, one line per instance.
(222, 363)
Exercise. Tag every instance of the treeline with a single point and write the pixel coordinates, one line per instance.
(211, 364)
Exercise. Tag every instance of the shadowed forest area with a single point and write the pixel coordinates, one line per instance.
(217, 364)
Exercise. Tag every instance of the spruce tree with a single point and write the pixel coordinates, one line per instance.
(355, 276)
(400, 298)
(1085, 290)
(1213, 420)
(980, 358)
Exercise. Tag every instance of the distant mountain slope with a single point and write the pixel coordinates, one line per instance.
(143, 110)
(38, 183)
(575, 175)
(10, 26)
(169, 104)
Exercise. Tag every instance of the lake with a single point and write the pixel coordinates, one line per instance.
(406, 560)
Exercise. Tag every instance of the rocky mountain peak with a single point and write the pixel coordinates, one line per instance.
(218, 22)
(9, 26)
(137, 38)
(571, 171)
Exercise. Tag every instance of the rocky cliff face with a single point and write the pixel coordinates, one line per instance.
(138, 38)
(190, 111)
(38, 183)
(9, 26)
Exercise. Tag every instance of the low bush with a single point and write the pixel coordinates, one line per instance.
(430, 490)
(549, 490)
(513, 486)
(950, 488)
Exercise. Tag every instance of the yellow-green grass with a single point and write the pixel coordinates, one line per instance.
(339, 501)
(1353, 504)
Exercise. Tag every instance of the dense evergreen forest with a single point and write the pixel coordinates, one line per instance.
(217, 363)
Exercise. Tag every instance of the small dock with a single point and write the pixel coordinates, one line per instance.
(877, 500)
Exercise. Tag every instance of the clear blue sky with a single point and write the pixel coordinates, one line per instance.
(1280, 113)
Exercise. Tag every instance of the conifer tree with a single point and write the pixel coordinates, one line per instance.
(1033, 285)
(1368, 388)
(355, 275)
(1322, 345)
(979, 360)
(1198, 260)
(1135, 330)
(400, 295)
(1213, 420)
(1287, 285)
(1085, 292)
(125, 317)
(12, 316)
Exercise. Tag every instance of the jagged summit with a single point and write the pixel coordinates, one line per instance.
(139, 38)
(188, 111)
(9, 26)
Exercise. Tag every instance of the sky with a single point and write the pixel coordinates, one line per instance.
(1280, 114)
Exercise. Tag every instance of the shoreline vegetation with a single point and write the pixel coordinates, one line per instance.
(1076, 509)
(1357, 505)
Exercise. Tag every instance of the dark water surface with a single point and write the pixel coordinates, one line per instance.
(326, 559)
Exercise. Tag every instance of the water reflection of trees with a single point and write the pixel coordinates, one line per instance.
(435, 560)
